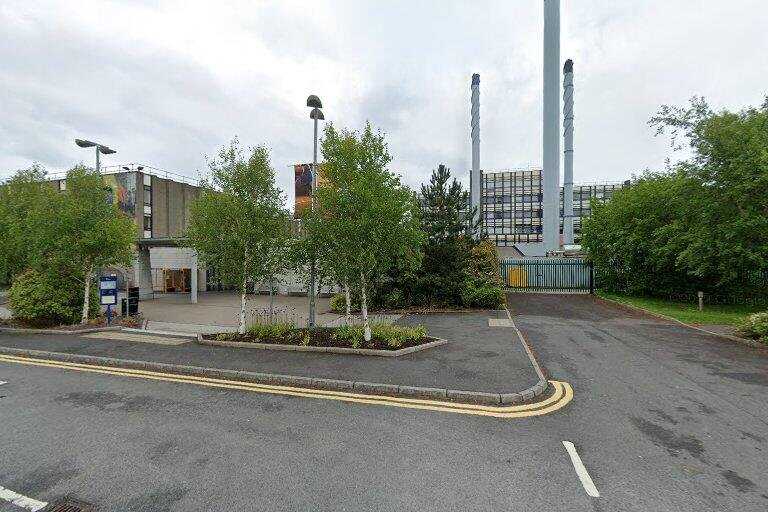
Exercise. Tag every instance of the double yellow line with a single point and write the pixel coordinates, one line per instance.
(563, 393)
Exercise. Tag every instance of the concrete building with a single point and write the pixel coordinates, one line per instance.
(512, 209)
(158, 201)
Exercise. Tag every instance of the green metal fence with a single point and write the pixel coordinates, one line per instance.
(565, 275)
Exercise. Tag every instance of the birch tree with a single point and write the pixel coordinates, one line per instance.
(238, 225)
(364, 219)
(90, 232)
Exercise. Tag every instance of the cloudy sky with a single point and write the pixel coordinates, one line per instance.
(168, 82)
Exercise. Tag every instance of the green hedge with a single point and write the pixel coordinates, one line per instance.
(47, 299)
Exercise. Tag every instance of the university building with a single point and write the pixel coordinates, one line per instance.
(158, 201)
(512, 206)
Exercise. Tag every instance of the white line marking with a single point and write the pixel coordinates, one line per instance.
(581, 471)
(21, 500)
(3, 382)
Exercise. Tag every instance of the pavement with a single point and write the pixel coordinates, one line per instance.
(217, 311)
(663, 419)
(476, 358)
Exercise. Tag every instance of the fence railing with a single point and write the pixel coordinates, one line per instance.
(565, 275)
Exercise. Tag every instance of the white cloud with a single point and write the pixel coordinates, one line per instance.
(167, 82)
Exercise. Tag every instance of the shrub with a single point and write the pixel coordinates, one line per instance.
(393, 335)
(396, 335)
(338, 303)
(483, 287)
(755, 326)
(395, 299)
(48, 299)
(270, 331)
(353, 334)
(482, 296)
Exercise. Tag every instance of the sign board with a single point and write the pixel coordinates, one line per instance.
(108, 290)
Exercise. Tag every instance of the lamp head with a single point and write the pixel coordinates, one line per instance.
(314, 102)
(85, 143)
(317, 114)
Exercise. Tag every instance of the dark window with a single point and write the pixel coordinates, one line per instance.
(147, 223)
(147, 195)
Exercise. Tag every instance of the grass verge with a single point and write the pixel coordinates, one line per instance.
(715, 314)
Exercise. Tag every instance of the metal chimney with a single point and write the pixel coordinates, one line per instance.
(475, 175)
(568, 152)
(551, 126)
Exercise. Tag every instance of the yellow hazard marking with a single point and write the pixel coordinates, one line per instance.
(562, 395)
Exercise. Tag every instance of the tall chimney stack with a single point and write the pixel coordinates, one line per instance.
(475, 178)
(568, 152)
(551, 126)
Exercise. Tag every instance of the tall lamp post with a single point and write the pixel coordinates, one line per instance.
(100, 148)
(316, 115)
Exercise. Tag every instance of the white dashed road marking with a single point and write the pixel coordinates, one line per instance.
(20, 500)
(581, 471)
(3, 382)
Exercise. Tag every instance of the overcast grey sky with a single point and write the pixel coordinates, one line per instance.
(168, 82)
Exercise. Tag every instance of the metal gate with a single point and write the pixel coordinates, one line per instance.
(563, 275)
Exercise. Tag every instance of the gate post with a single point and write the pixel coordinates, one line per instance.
(591, 278)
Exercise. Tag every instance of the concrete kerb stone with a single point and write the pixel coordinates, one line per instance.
(473, 397)
(23, 330)
(69, 332)
(537, 389)
(330, 350)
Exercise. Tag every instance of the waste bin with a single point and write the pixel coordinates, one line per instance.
(130, 305)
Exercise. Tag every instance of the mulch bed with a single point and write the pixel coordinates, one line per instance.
(318, 337)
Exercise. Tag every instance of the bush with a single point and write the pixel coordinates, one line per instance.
(48, 299)
(354, 334)
(755, 326)
(482, 296)
(270, 331)
(338, 303)
(393, 335)
(483, 287)
(396, 335)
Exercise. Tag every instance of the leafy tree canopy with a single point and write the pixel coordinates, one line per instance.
(239, 225)
(700, 225)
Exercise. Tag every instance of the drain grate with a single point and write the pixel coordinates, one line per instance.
(69, 505)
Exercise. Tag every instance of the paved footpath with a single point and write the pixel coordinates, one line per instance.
(663, 419)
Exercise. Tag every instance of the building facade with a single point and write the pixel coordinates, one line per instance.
(159, 202)
(512, 207)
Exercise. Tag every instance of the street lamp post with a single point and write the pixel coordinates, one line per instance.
(100, 148)
(316, 115)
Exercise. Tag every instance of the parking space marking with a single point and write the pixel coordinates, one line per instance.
(20, 500)
(563, 393)
(581, 471)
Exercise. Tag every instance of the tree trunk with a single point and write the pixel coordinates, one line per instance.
(271, 298)
(244, 289)
(364, 308)
(87, 297)
(348, 303)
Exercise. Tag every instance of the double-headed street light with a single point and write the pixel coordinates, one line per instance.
(100, 148)
(316, 115)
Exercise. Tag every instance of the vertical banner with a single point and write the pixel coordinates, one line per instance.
(303, 186)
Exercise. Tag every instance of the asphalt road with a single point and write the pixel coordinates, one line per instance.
(663, 419)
